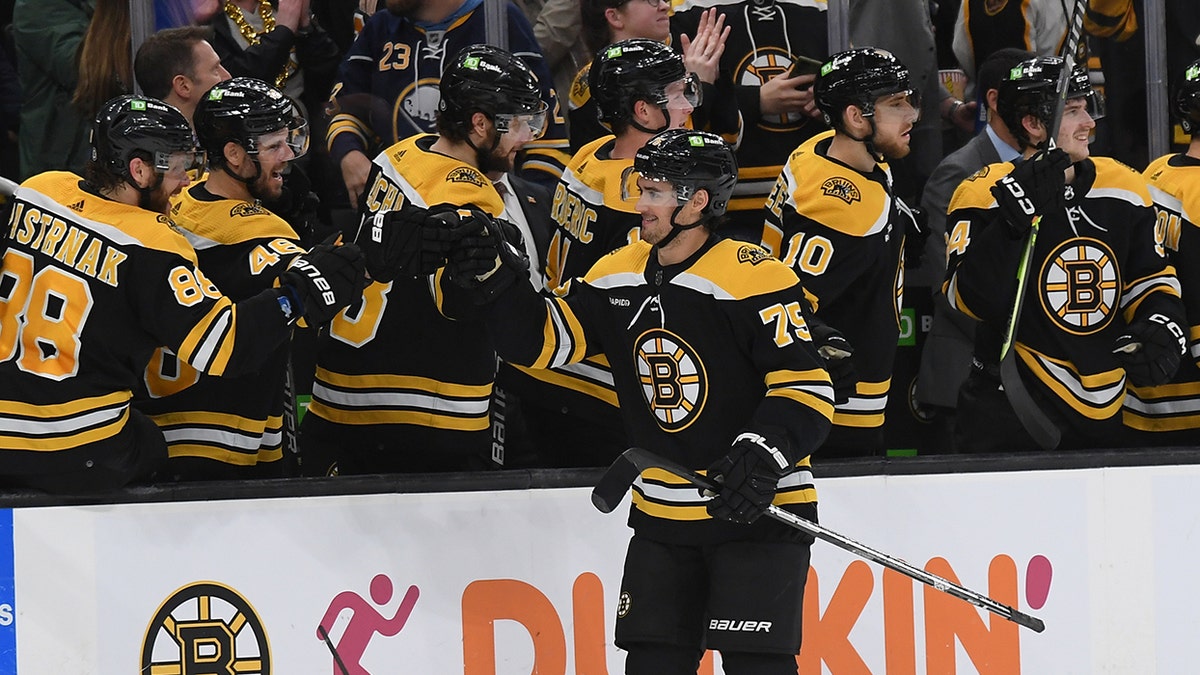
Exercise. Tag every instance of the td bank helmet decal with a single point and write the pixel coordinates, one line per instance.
(672, 377)
(206, 628)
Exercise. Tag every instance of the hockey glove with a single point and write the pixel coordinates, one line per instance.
(836, 353)
(490, 259)
(410, 242)
(748, 477)
(1150, 350)
(1035, 187)
(323, 281)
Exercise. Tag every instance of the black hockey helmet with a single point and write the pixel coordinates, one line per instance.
(691, 160)
(638, 70)
(129, 126)
(1031, 88)
(485, 79)
(243, 109)
(859, 77)
(1187, 98)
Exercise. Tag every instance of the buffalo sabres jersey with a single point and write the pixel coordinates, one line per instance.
(700, 351)
(233, 421)
(394, 359)
(842, 231)
(1175, 407)
(88, 289)
(1094, 270)
(387, 88)
(766, 40)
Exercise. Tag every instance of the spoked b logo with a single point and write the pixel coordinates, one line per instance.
(206, 628)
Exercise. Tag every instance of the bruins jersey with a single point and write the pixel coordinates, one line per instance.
(387, 87)
(235, 422)
(88, 289)
(1094, 270)
(842, 231)
(394, 360)
(700, 351)
(1174, 407)
(767, 39)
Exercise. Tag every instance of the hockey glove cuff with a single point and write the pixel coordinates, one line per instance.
(748, 476)
(1035, 187)
(836, 352)
(1150, 350)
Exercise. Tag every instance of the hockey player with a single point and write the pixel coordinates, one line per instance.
(1102, 306)
(713, 366)
(768, 66)
(641, 89)
(96, 276)
(833, 217)
(400, 388)
(233, 427)
(1167, 415)
(387, 87)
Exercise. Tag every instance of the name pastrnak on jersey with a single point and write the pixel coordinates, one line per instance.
(842, 232)
(1175, 407)
(700, 351)
(235, 421)
(88, 289)
(395, 359)
(1095, 269)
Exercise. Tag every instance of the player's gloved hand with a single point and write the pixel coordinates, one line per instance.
(1150, 350)
(748, 476)
(323, 281)
(1035, 187)
(836, 352)
(408, 242)
(490, 258)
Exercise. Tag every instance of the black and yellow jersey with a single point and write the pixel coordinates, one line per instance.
(238, 421)
(1175, 407)
(842, 232)
(1094, 269)
(88, 289)
(394, 360)
(700, 351)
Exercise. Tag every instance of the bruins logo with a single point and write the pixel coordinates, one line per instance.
(206, 627)
(247, 209)
(982, 173)
(756, 69)
(466, 175)
(841, 188)
(752, 254)
(1080, 285)
(672, 378)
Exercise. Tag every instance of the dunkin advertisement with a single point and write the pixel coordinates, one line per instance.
(521, 582)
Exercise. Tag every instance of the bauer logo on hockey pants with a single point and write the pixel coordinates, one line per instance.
(736, 626)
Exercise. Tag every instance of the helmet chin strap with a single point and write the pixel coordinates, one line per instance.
(144, 193)
(868, 140)
(666, 123)
(484, 158)
(251, 182)
(676, 228)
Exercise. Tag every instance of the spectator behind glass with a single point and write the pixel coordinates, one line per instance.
(47, 35)
(105, 70)
(179, 66)
(387, 87)
(946, 358)
(983, 26)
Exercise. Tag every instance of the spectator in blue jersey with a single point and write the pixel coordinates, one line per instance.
(387, 88)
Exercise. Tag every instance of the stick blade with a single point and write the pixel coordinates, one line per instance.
(1043, 430)
(615, 482)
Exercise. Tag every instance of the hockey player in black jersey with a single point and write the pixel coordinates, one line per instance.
(222, 427)
(1102, 308)
(834, 217)
(96, 276)
(713, 364)
(398, 386)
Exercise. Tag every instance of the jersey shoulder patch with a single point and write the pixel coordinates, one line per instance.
(976, 191)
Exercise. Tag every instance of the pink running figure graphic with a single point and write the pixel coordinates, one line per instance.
(364, 624)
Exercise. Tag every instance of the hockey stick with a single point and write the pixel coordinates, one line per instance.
(1043, 430)
(616, 481)
(329, 643)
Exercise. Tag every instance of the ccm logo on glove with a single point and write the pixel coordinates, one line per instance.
(1014, 188)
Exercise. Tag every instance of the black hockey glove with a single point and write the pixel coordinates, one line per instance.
(1150, 350)
(836, 352)
(748, 477)
(1035, 187)
(323, 281)
(490, 258)
(409, 242)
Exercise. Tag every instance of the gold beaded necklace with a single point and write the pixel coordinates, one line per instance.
(267, 14)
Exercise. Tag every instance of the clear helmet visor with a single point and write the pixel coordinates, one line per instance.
(1093, 103)
(179, 163)
(285, 144)
(638, 188)
(902, 106)
(523, 127)
(683, 94)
